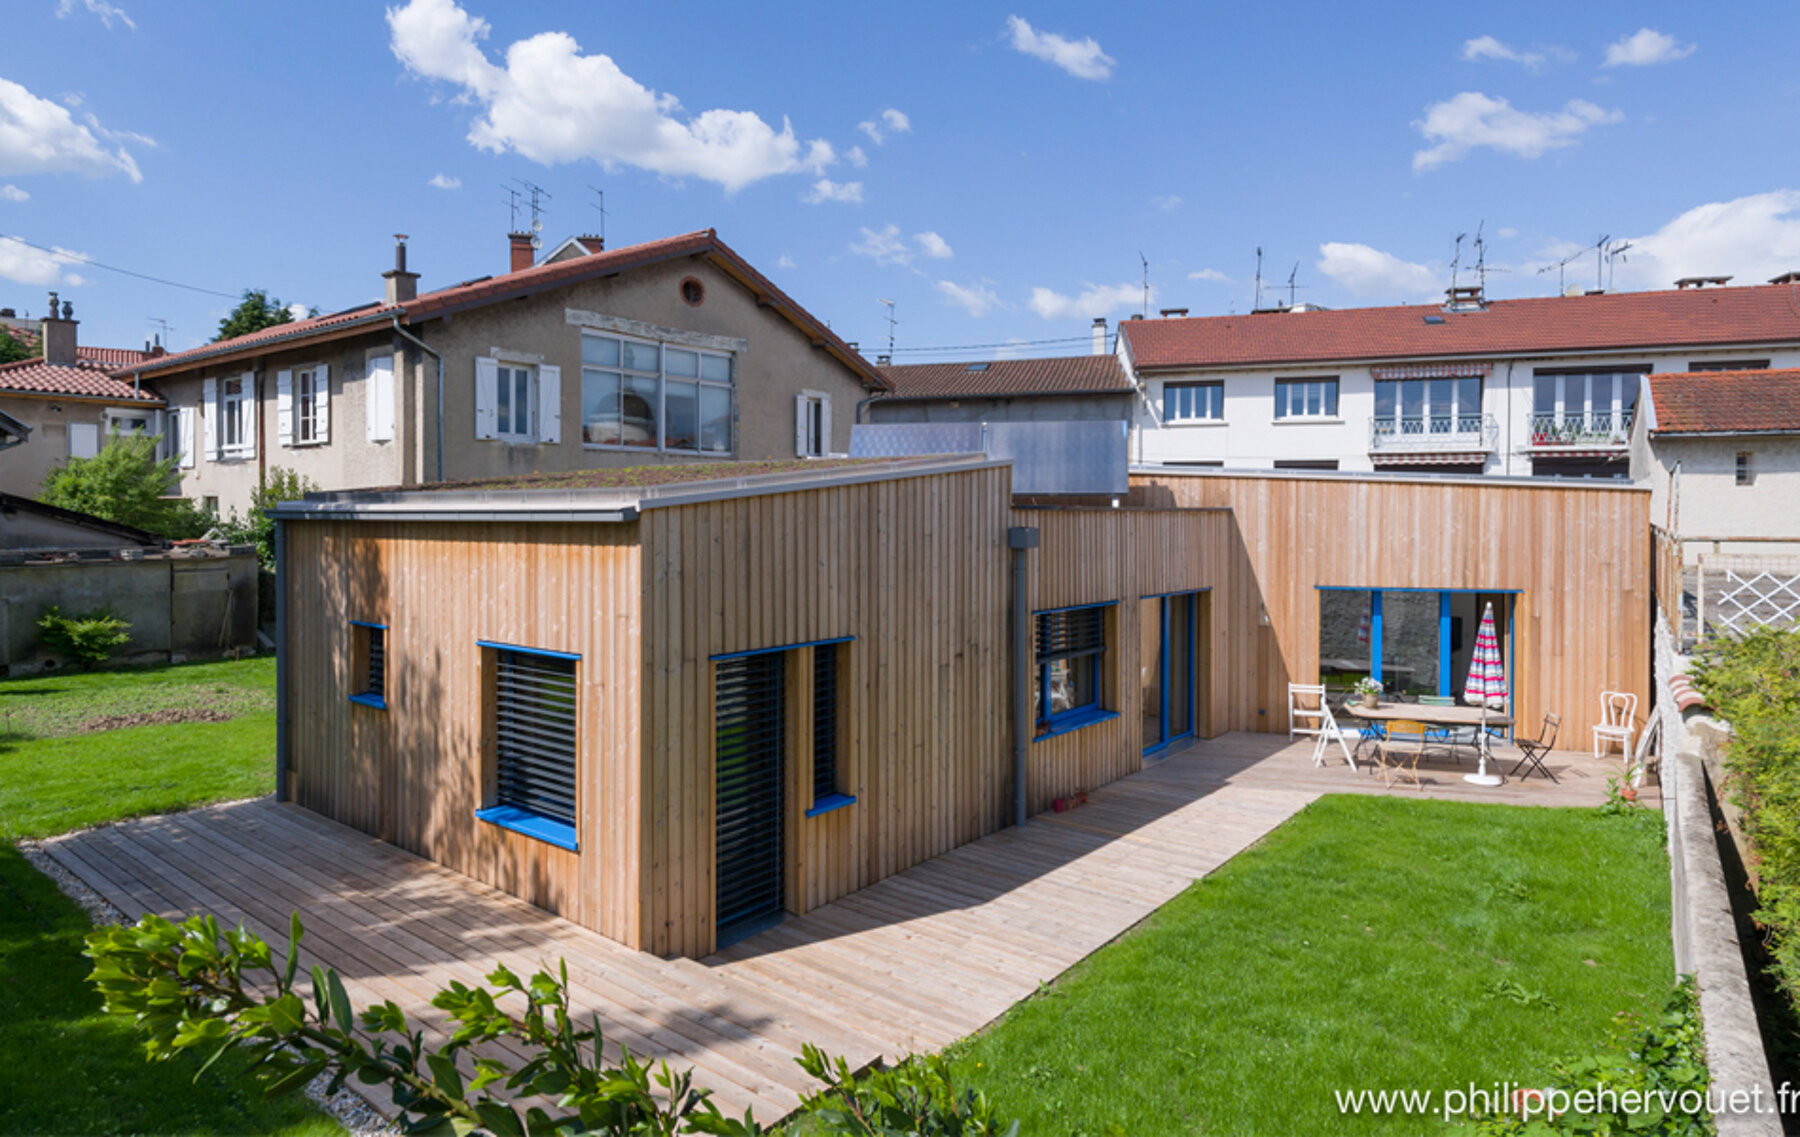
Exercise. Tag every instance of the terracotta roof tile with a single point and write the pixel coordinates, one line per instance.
(86, 379)
(275, 333)
(1065, 375)
(110, 356)
(1677, 318)
(1727, 402)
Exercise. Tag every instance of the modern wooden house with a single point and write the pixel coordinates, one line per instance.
(672, 713)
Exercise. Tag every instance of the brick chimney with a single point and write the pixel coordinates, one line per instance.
(593, 244)
(59, 334)
(401, 285)
(523, 255)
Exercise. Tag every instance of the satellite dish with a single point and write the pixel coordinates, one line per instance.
(537, 226)
(537, 242)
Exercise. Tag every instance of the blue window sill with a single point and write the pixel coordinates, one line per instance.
(830, 802)
(1075, 720)
(531, 825)
(375, 701)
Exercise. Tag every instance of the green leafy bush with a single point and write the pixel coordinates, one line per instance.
(89, 638)
(281, 484)
(918, 1096)
(1754, 684)
(125, 483)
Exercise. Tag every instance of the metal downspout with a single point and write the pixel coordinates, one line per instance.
(283, 746)
(433, 352)
(1019, 539)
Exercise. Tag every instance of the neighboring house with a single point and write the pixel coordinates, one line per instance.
(1542, 387)
(68, 401)
(670, 351)
(1006, 390)
(1720, 452)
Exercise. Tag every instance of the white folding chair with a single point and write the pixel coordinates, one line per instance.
(1306, 710)
(1328, 733)
(1618, 711)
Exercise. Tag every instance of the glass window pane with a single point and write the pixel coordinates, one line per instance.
(1468, 396)
(1331, 397)
(640, 356)
(1385, 392)
(1628, 391)
(1215, 401)
(682, 364)
(1543, 394)
(1409, 642)
(1281, 399)
(1181, 665)
(1150, 668)
(1345, 634)
(640, 412)
(715, 420)
(504, 386)
(600, 422)
(681, 425)
(716, 367)
(1600, 394)
(600, 350)
(1314, 399)
(522, 401)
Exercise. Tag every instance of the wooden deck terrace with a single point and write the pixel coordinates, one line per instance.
(910, 964)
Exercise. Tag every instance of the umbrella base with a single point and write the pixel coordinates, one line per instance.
(1483, 779)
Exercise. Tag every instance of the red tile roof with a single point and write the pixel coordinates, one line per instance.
(110, 356)
(86, 379)
(525, 282)
(1693, 317)
(1727, 402)
(1065, 375)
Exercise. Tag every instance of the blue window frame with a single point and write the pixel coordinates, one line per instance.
(369, 658)
(534, 716)
(1171, 674)
(1071, 653)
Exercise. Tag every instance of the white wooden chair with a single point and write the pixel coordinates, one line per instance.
(1328, 733)
(1306, 710)
(1618, 711)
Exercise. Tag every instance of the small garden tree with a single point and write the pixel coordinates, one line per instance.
(256, 311)
(126, 483)
(282, 484)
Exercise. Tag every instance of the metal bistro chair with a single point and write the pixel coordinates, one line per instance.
(1618, 711)
(1451, 736)
(1536, 749)
(1404, 739)
(1306, 710)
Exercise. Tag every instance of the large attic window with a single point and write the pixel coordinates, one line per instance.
(978, 367)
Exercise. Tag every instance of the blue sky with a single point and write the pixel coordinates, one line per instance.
(993, 170)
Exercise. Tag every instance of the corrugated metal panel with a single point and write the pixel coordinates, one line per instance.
(1071, 457)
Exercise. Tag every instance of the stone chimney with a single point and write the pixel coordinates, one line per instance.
(59, 334)
(523, 255)
(401, 285)
(1099, 335)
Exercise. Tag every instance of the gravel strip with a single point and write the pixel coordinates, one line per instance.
(349, 1108)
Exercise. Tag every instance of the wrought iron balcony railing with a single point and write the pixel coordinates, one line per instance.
(1393, 433)
(1580, 429)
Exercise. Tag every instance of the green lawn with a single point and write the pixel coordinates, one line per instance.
(55, 777)
(1368, 943)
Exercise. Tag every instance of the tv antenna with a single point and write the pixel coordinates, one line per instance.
(1480, 259)
(539, 195)
(1599, 248)
(512, 208)
(1292, 287)
(1456, 260)
(1562, 265)
(601, 207)
(163, 328)
(891, 322)
(1146, 265)
(1614, 252)
(1256, 304)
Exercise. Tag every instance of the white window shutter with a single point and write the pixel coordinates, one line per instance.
(487, 397)
(249, 413)
(824, 426)
(800, 426)
(379, 386)
(284, 407)
(322, 401)
(549, 403)
(184, 436)
(210, 397)
(84, 440)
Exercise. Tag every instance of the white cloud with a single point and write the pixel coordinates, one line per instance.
(1472, 119)
(445, 181)
(933, 245)
(856, 157)
(785, 262)
(1644, 47)
(1167, 202)
(26, 265)
(975, 299)
(107, 12)
(39, 137)
(552, 104)
(297, 311)
(1209, 274)
(1487, 47)
(827, 190)
(1080, 58)
(1752, 238)
(1098, 300)
(14, 193)
(1506, 233)
(888, 122)
(885, 246)
(1364, 271)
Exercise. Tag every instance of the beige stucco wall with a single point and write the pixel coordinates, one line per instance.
(778, 363)
(1710, 506)
(23, 468)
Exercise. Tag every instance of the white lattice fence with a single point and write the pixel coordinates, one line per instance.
(1738, 594)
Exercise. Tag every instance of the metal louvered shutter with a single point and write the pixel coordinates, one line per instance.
(1076, 631)
(377, 677)
(535, 717)
(751, 745)
(825, 669)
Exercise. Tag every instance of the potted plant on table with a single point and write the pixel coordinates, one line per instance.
(1369, 688)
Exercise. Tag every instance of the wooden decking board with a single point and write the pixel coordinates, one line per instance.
(911, 963)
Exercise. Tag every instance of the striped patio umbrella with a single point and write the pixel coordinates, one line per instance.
(1487, 671)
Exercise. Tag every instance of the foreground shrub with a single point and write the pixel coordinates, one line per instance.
(90, 638)
(126, 483)
(1754, 684)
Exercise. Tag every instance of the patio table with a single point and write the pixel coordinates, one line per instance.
(1477, 717)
